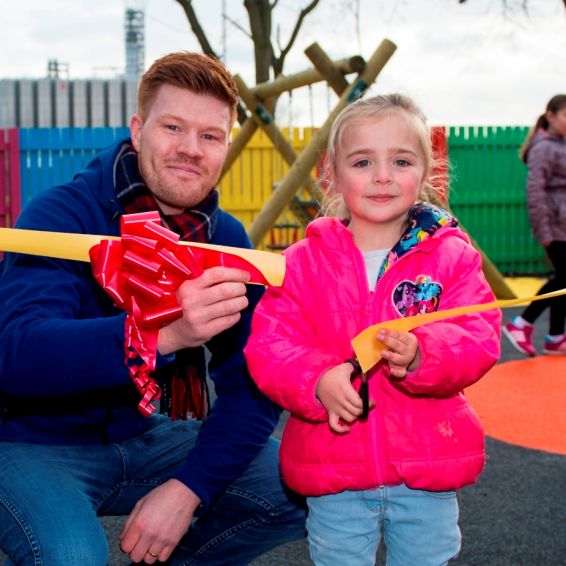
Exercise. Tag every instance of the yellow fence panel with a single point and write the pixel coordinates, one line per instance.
(252, 178)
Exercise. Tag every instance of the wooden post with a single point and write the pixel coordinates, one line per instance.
(263, 118)
(263, 91)
(496, 281)
(282, 84)
(238, 143)
(302, 166)
(326, 68)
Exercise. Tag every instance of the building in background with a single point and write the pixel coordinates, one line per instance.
(59, 101)
(135, 43)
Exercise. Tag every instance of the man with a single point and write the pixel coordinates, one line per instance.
(73, 445)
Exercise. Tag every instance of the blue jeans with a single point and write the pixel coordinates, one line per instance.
(51, 498)
(420, 528)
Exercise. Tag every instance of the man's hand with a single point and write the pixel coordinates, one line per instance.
(340, 399)
(403, 353)
(158, 522)
(211, 303)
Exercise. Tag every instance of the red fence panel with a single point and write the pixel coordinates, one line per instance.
(4, 184)
(440, 170)
(10, 186)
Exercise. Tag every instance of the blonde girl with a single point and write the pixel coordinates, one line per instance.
(384, 253)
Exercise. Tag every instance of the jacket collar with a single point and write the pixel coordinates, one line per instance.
(424, 221)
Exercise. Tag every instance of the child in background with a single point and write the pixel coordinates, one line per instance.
(382, 253)
(544, 152)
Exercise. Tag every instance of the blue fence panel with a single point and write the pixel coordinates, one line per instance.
(52, 156)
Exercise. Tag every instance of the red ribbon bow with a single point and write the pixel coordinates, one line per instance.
(141, 272)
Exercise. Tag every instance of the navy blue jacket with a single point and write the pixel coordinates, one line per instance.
(61, 336)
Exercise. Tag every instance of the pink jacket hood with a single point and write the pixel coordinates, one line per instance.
(422, 432)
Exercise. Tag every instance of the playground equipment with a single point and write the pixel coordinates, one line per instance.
(258, 101)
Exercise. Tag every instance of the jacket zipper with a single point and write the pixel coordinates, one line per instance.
(377, 448)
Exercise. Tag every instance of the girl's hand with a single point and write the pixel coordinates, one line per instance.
(403, 351)
(334, 390)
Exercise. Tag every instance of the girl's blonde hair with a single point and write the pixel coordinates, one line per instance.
(375, 108)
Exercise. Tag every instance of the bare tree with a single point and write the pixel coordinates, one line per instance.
(525, 3)
(269, 54)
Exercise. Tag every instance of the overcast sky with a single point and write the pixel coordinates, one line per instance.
(465, 64)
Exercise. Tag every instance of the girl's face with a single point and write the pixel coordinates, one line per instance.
(557, 122)
(379, 170)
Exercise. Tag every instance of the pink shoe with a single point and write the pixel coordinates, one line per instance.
(555, 349)
(522, 338)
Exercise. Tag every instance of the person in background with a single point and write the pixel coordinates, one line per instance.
(382, 252)
(73, 445)
(544, 152)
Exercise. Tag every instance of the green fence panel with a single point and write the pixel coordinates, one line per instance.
(487, 194)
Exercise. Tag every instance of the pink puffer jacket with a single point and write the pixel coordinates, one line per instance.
(422, 431)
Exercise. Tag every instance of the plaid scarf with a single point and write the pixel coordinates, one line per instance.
(183, 382)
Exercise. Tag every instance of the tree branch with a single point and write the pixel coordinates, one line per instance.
(242, 28)
(196, 28)
(278, 61)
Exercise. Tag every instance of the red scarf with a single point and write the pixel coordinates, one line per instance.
(183, 382)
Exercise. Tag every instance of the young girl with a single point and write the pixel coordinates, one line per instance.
(386, 254)
(544, 152)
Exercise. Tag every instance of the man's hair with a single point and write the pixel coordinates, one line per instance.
(193, 71)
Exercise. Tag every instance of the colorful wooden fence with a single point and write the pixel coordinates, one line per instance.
(487, 182)
(50, 156)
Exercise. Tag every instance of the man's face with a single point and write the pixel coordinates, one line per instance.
(182, 146)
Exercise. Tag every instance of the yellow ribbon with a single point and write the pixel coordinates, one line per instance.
(76, 246)
(368, 349)
(366, 346)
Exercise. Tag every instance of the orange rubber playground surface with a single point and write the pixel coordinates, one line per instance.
(523, 402)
